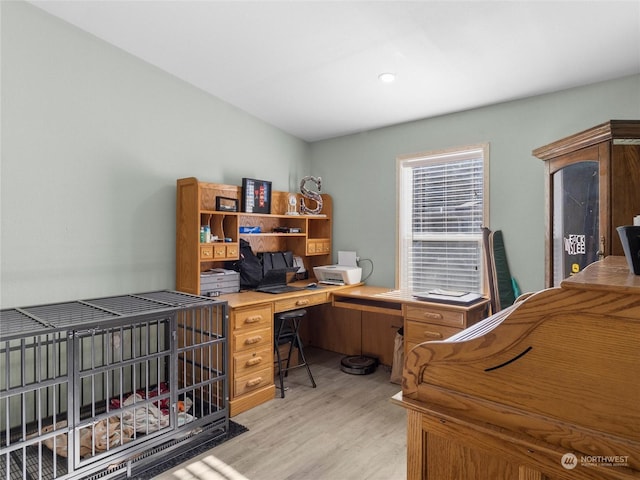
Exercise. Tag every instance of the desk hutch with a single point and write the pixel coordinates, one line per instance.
(196, 207)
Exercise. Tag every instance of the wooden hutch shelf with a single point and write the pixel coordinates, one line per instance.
(196, 207)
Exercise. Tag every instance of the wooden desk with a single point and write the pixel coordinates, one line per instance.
(422, 321)
(336, 324)
(251, 368)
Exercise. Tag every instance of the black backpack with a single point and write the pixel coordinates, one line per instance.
(249, 266)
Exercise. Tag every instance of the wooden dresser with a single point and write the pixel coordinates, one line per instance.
(546, 389)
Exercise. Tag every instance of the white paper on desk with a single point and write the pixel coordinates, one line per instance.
(347, 259)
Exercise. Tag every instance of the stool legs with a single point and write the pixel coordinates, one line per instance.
(304, 359)
(280, 375)
(290, 332)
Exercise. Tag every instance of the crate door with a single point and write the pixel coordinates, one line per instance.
(121, 388)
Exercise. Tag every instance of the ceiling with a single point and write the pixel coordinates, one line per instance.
(311, 67)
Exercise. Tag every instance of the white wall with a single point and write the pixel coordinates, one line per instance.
(93, 140)
(359, 170)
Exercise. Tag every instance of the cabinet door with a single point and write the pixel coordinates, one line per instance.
(576, 230)
(451, 458)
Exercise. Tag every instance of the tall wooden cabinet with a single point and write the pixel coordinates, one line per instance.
(592, 187)
(196, 208)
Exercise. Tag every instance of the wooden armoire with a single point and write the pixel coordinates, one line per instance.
(592, 187)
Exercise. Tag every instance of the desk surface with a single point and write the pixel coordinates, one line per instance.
(340, 295)
(367, 293)
(247, 298)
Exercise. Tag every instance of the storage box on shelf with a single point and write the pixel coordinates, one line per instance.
(218, 281)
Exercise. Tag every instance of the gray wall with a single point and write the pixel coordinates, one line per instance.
(93, 141)
(360, 170)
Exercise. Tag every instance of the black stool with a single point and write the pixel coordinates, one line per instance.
(285, 326)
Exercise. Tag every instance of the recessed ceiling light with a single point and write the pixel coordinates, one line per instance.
(387, 77)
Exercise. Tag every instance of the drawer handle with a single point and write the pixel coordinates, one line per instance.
(254, 361)
(252, 340)
(437, 316)
(254, 381)
(427, 333)
(300, 303)
(253, 319)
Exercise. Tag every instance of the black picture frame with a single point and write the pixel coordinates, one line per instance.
(226, 204)
(256, 196)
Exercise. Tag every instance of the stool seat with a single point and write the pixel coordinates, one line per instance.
(286, 326)
(292, 314)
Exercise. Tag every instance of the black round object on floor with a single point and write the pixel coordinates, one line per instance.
(358, 365)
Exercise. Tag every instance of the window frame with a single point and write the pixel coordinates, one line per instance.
(404, 205)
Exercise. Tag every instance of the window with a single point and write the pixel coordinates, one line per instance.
(441, 211)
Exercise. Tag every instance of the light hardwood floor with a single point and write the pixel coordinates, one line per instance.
(345, 429)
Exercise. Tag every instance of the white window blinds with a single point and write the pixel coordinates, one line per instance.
(441, 210)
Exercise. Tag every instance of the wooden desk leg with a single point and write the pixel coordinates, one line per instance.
(415, 446)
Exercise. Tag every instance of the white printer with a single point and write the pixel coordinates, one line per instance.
(338, 274)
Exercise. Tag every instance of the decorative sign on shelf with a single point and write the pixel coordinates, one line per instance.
(293, 205)
(256, 196)
(311, 195)
(225, 204)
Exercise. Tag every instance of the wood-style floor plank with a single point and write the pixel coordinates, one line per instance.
(346, 429)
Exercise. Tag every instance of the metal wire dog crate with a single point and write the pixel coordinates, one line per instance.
(97, 388)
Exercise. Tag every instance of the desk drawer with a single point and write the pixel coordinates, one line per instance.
(219, 250)
(441, 316)
(301, 302)
(253, 381)
(418, 332)
(255, 317)
(247, 362)
(206, 252)
(252, 339)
